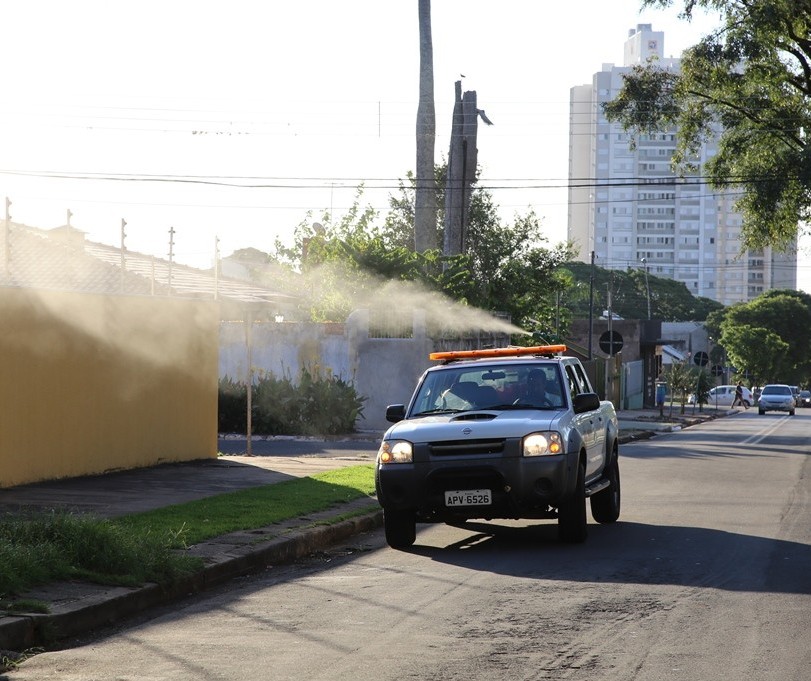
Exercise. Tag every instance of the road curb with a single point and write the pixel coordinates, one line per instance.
(91, 606)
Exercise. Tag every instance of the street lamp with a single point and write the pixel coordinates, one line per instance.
(647, 284)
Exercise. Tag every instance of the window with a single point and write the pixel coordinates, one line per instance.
(578, 383)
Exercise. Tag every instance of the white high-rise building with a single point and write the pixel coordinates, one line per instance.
(629, 210)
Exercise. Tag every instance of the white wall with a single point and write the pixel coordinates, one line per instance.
(384, 370)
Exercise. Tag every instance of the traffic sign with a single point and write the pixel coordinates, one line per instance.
(717, 370)
(611, 342)
(701, 358)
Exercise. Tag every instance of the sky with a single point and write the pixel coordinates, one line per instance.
(210, 126)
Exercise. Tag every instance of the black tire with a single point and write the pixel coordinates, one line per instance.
(400, 528)
(572, 521)
(605, 505)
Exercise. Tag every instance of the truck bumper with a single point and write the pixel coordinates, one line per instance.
(520, 487)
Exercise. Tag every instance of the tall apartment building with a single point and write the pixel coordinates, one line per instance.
(628, 208)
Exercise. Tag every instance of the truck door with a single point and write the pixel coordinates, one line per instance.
(588, 423)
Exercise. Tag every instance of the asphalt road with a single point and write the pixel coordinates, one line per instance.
(705, 577)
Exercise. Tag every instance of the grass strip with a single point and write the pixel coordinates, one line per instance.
(249, 509)
(134, 549)
(58, 545)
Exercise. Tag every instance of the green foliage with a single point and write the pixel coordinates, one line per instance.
(329, 406)
(670, 300)
(768, 337)
(147, 547)
(231, 406)
(514, 273)
(681, 380)
(315, 404)
(759, 352)
(504, 268)
(398, 226)
(57, 545)
(703, 384)
(753, 77)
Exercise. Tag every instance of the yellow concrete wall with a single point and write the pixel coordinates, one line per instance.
(90, 384)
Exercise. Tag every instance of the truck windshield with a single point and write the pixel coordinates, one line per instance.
(509, 386)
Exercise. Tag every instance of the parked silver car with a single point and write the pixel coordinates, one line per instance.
(776, 397)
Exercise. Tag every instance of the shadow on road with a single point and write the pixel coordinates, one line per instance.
(634, 553)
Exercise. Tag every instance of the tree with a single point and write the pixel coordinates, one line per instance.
(751, 78)
(670, 300)
(702, 387)
(682, 380)
(505, 268)
(514, 272)
(769, 336)
(758, 351)
(398, 226)
(425, 206)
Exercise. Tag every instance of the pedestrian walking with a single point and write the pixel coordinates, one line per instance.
(739, 401)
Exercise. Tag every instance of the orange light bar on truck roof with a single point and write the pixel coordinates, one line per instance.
(498, 352)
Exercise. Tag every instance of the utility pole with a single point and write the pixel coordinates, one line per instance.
(647, 284)
(249, 391)
(591, 304)
(610, 293)
(608, 363)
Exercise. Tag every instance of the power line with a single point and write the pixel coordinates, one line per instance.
(279, 182)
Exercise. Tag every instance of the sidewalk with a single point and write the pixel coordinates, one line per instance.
(638, 424)
(77, 608)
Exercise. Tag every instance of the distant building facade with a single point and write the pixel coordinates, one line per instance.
(627, 208)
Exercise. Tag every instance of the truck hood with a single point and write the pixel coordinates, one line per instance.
(473, 424)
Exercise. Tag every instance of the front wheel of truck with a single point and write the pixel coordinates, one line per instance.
(400, 528)
(572, 521)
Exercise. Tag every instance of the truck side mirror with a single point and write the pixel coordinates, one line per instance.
(395, 413)
(586, 402)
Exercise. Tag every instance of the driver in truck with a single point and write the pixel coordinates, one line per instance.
(536, 387)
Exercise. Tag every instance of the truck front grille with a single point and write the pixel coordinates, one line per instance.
(466, 447)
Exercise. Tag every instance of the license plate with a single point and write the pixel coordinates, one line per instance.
(468, 497)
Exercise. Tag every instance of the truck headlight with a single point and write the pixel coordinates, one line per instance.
(395, 451)
(542, 444)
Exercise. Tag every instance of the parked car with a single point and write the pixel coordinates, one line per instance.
(776, 397)
(723, 396)
(804, 399)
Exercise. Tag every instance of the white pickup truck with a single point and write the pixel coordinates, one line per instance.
(505, 433)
